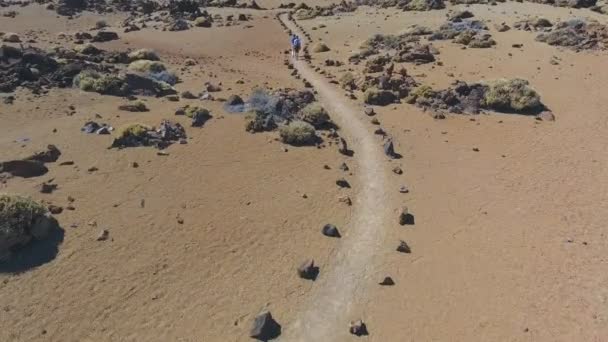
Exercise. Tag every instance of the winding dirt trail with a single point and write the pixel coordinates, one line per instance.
(327, 315)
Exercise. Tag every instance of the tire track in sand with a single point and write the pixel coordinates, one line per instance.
(327, 313)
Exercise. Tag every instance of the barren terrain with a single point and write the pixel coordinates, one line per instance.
(507, 240)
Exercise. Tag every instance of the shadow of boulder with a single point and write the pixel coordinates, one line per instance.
(34, 254)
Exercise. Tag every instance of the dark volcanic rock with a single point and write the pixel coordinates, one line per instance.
(264, 327)
(343, 147)
(200, 117)
(50, 155)
(389, 149)
(387, 281)
(358, 328)
(330, 230)
(308, 270)
(105, 36)
(405, 218)
(403, 247)
(343, 183)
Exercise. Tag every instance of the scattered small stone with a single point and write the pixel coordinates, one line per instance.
(92, 169)
(546, 116)
(358, 328)
(104, 234)
(330, 230)
(343, 147)
(134, 165)
(46, 188)
(162, 153)
(55, 210)
(389, 149)
(404, 189)
(326, 167)
(405, 218)
(345, 199)
(475, 149)
(308, 270)
(397, 170)
(403, 247)
(387, 281)
(104, 130)
(369, 111)
(344, 167)
(188, 95)
(343, 183)
(375, 121)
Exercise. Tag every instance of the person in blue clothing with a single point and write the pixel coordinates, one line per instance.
(295, 46)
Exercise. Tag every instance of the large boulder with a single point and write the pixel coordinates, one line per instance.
(21, 220)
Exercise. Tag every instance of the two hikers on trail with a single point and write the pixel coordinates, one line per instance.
(296, 44)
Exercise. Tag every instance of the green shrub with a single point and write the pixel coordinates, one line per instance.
(478, 43)
(515, 94)
(298, 133)
(377, 97)
(88, 49)
(101, 24)
(133, 131)
(304, 14)
(143, 54)
(20, 221)
(202, 22)
(347, 81)
(314, 114)
(419, 94)
(92, 81)
(137, 106)
(464, 38)
(147, 66)
(190, 111)
(381, 41)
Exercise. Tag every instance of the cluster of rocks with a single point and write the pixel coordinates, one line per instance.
(198, 115)
(277, 107)
(510, 96)
(534, 24)
(567, 3)
(468, 32)
(92, 127)
(136, 135)
(86, 67)
(72, 7)
(405, 47)
(304, 12)
(577, 34)
(31, 68)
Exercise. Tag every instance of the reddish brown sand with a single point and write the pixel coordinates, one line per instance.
(508, 245)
